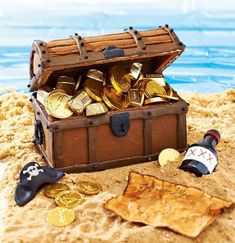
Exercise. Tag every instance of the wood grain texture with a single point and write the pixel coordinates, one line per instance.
(68, 47)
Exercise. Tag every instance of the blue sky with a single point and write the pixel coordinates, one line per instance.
(10, 7)
(207, 28)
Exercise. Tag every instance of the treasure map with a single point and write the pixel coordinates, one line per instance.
(148, 200)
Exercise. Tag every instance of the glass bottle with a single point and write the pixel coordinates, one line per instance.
(201, 157)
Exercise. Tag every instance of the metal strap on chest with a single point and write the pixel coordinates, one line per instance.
(81, 46)
(138, 39)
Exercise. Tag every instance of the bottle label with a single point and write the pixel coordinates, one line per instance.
(203, 155)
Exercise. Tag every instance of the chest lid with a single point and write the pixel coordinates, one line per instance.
(59, 57)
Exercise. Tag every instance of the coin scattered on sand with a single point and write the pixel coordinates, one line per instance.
(69, 199)
(89, 188)
(167, 155)
(53, 190)
(60, 216)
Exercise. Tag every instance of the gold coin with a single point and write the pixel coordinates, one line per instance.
(94, 89)
(120, 78)
(69, 199)
(60, 216)
(160, 81)
(67, 84)
(153, 88)
(56, 104)
(171, 93)
(96, 109)
(88, 187)
(52, 190)
(96, 75)
(167, 155)
(112, 99)
(159, 78)
(155, 100)
(168, 97)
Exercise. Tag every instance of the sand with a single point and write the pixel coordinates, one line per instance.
(93, 223)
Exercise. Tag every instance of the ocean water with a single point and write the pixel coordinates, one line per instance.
(207, 64)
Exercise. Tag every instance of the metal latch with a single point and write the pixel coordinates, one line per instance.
(120, 124)
(113, 51)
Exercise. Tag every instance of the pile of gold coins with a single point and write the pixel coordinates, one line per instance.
(67, 198)
(97, 92)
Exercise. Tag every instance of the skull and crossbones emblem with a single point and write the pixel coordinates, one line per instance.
(32, 171)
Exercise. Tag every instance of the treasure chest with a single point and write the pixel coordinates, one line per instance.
(124, 134)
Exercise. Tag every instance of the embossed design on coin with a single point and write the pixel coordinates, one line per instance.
(52, 190)
(60, 216)
(88, 187)
(69, 199)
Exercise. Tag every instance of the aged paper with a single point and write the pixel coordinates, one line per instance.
(148, 200)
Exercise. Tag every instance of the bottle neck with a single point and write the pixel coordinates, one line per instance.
(210, 141)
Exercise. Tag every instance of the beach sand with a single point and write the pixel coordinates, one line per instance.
(93, 223)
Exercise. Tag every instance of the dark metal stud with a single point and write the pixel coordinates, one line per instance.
(166, 25)
(131, 28)
(38, 113)
(41, 44)
(149, 113)
(43, 52)
(48, 61)
(90, 123)
(39, 65)
(28, 86)
(95, 166)
(79, 37)
(76, 34)
(144, 47)
(136, 32)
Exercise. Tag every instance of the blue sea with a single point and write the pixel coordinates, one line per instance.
(207, 64)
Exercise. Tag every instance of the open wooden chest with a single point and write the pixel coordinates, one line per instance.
(119, 137)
